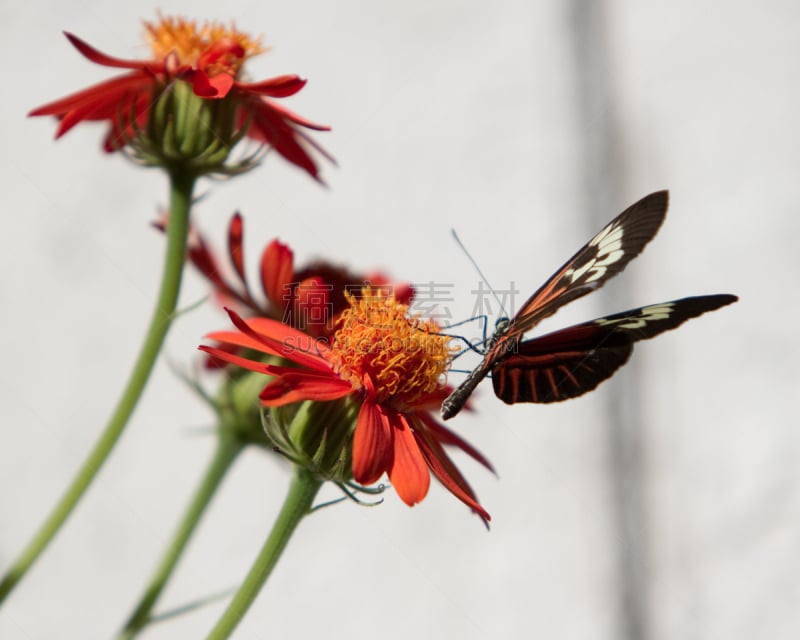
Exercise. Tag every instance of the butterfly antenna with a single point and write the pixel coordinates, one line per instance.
(478, 269)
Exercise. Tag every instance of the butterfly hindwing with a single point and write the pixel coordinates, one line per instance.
(552, 377)
(572, 361)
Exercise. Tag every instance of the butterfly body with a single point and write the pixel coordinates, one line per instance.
(458, 398)
(572, 361)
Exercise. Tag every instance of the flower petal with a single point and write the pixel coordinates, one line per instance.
(298, 346)
(278, 87)
(271, 126)
(313, 307)
(443, 435)
(372, 444)
(296, 386)
(236, 247)
(220, 50)
(447, 473)
(101, 101)
(122, 132)
(213, 363)
(409, 471)
(403, 292)
(99, 57)
(239, 339)
(278, 339)
(222, 83)
(205, 87)
(277, 268)
(233, 358)
(297, 119)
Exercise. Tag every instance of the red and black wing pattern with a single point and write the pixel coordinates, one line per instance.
(600, 259)
(570, 362)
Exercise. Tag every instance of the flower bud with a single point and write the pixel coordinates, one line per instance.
(238, 407)
(188, 132)
(316, 435)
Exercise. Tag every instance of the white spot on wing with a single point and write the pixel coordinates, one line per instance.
(646, 314)
(609, 251)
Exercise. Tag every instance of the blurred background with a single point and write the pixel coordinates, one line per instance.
(664, 505)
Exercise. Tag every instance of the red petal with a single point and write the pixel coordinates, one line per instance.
(217, 87)
(279, 87)
(294, 340)
(235, 247)
(281, 340)
(212, 363)
(447, 473)
(103, 99)
(403, 292)
(290, 384)
(409, 472)
(272, 126)
(239, 361)
(296, 386)
(277, 269)
(223, 83)
(313, 307)
(121, 133)
(200, 84)
(225, 48)
(240, 339)
(443, 435)
(99, 57)
(267, 127)
(297, 119)
(372, 444)
(306, 350)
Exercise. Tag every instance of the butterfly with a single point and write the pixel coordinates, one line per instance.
(573, 361)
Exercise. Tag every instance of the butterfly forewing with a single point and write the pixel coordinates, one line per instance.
(570, 362)
(603, 257)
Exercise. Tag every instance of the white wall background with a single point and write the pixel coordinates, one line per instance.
(447, 114)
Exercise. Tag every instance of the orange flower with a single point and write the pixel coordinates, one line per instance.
(210, 58)
(391, 365)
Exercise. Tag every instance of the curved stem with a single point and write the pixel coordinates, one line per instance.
(303, 488)
(181, 187)
(228, 448)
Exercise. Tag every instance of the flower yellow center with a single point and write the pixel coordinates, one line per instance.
(378, 345)
(210, 45)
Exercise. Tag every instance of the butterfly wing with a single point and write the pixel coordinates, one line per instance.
(599, 260)
(570, 362)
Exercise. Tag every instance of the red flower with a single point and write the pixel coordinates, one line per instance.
(308, 298)
(210, 58)
(392, 366)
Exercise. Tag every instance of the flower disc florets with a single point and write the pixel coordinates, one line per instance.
(396, 358)
(210, 47)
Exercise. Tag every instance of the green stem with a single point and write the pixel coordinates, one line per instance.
(181, 187)
(228, 448)
(303, 488)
